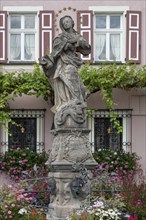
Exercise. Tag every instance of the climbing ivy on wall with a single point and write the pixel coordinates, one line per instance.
(101, 78)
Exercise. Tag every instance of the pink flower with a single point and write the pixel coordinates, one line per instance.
(9, 212)
(20, 197)
(133, 217)
(138, 202)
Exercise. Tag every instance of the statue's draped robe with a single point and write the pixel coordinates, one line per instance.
(68, 87)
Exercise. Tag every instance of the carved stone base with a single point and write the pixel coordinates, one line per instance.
(70, 149)
(64, 202)
(71, 146)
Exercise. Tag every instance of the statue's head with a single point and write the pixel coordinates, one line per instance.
(62, 20)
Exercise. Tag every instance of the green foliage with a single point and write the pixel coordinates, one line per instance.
(15, 84)
(102, 78)
(106, 77)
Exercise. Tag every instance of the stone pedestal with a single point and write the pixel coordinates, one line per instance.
(63, 202)
(70, 149)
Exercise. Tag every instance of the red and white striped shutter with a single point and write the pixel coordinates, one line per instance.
(133, 53)
(46, 32)
(3, 36)
(85, 28)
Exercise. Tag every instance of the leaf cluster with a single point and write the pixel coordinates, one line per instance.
(101, 78)
(13, 84)
(106, 77)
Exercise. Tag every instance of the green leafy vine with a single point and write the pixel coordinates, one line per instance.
(14, 84)
(105, 77)
(101, 78)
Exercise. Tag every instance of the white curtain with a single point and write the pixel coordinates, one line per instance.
(29, 48)
(100, 53)
(15, 51)
(115, 47)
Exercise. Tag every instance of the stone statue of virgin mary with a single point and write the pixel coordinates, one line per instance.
(61, 67)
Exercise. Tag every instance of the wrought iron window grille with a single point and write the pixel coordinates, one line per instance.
(104, 136)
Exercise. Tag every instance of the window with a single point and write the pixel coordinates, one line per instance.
(104, 136)
(108, 35)
(26, 33)
(29, 131)
(23, 133)
(22, 37)
(114, 33)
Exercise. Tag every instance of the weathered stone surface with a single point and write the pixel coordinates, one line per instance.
(71, 145)
(63, 202)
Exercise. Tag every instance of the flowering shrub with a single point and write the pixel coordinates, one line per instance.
(21, 167)
(100, 209)
(118, 189)
(19, 162)
(134, 195)
(14, 204)
(119, 161)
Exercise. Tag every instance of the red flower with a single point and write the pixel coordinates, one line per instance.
(133, 217)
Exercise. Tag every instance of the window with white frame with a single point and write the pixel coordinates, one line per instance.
(108, 35)
(30, 31)
(103, 135)
(22, 37)
(27, 132)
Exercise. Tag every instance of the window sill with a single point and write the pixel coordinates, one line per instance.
(107, 62)
(22, 63)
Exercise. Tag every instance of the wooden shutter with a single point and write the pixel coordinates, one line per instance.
(46, 32)
(133, 53)
(3, 36)
(85, 28)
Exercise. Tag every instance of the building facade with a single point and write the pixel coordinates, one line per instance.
(116, 31)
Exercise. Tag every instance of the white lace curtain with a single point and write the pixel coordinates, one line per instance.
(29, 47)
(100, 48)
(15, 47)
(115, 47)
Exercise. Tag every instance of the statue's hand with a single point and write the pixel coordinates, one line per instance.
(46, 63)
(72, 40)
(69, 46)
